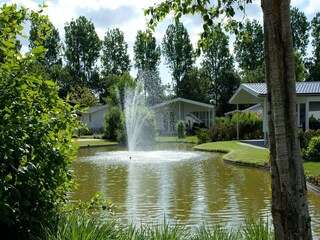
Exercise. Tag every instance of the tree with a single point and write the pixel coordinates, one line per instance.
(82, 50)
(82, 96)
(300, 30)
(314, 63)
(299, 67)
(178, 52)
(36, 131)
(147, 59)
(115, 59)
(289, 199)
(249, 52)
(217, 63)
(195, 85)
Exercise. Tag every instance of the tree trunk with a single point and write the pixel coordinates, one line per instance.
(289, 194)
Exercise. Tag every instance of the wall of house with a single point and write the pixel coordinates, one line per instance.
(94, 121)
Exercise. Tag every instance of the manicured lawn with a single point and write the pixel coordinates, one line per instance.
(188, 139)
(94, 142)
(237, 152)
(312, 168)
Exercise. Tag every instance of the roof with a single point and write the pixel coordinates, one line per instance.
(179, 99)
(253, 92)
(96, 108)
(253, 108)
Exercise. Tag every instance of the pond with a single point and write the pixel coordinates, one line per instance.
(183, 186)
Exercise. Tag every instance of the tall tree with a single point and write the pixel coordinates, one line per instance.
(147, 59)
(178, 52)
(289, 194)
(52, 43)
(249, 52)
(314, 64)
(82, 50)
(300, 30)
(115, 59)
(196, 85)
(217, 60)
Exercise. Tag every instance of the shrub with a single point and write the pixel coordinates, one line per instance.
(114, 125)
(36, 130)
(250, 127)
(180, 129)
(312, 153)
(203, 135)
(306, 136)
(314, 123)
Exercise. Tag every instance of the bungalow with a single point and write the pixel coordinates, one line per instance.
(93, 118)
(168, 113)
(307, 100)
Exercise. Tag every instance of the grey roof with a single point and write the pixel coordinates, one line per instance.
(252, 92)
(301, 87)
(179, 99)
(96, 108)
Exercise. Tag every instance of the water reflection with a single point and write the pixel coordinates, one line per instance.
(190, 191)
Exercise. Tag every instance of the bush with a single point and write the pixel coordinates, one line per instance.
(36, 130)
(250, 127)
(314, 123)
(114, 125)
(312, 153)
(180, 129)
(203, 135)
(306, 136)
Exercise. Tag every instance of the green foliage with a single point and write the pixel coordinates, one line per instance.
(82, 50)
(305, 137)
(115, 59)
(178, 53)
(114, 124)
(300, 30)
(35, 134)
(250, 127)
(299, 67)
(314, 64)
(82, 96)
(257, 230)
(181, 129)
(312, 153)
(202, 135)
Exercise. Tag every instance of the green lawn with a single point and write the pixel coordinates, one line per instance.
(95, 142)
(246, 154)
(188, 139)
(237, 152)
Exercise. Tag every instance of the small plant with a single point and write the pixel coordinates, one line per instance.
(180, 129)
(312, 153)
(202, 135)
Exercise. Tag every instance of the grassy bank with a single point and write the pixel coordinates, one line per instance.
(237, 152)
(188, 139)
(94, 143)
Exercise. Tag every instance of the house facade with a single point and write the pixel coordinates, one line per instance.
(191, 112)
(307, 101)
(94, 118)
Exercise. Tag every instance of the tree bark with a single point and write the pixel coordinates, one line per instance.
(289, 194)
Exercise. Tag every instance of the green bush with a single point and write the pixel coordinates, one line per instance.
(114, 125)
(180, 129)
(36, 131)
(306, 136)
(312, 153)
(202, 135)
(314, 123)
(250, 127)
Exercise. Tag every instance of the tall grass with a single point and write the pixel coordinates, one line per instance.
(81, 225)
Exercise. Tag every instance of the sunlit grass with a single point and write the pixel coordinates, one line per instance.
(188, 139)
(237, 152)
(94, 142)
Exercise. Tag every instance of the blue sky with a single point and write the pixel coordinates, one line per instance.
(128, 16)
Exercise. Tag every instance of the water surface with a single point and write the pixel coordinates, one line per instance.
(185, 186)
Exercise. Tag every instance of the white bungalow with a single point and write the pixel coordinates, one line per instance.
(93, 118)
(168, 113)
(307, 99)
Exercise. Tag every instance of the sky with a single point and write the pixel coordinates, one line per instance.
(127, 15)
